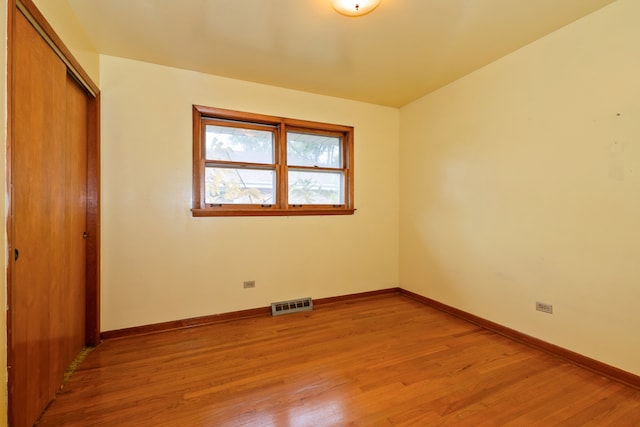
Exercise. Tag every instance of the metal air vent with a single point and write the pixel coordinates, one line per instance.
(292, 306)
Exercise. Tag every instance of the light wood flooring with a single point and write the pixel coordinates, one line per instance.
(385, 361)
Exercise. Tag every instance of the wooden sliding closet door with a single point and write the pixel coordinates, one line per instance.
(73, 297)
(48, 199)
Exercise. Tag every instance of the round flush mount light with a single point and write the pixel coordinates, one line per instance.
(354, 7)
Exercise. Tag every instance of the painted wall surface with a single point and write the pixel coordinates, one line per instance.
(521, 183)
(66, 25)
(161, 264)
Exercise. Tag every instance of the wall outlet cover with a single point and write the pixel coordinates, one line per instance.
(544, 307)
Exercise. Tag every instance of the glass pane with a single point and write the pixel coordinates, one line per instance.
(316, 188)
(245, 186)
(238, 144)
(313, 150)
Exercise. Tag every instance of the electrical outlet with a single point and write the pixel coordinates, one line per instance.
(249, 284)
(544, 307)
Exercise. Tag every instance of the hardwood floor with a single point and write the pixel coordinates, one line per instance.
(385, 361)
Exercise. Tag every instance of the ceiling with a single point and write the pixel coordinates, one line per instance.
(401, 51)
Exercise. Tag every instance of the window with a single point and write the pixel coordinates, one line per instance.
(252, 164)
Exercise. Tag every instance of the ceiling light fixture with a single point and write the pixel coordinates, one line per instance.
(354, 7)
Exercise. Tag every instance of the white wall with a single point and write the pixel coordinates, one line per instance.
(521, 183)
(160, 264)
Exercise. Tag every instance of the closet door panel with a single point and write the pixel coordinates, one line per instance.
(73, 298)
(48, 217)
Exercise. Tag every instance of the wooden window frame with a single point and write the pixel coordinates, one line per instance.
(280, 126)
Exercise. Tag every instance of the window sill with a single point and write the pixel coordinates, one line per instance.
(270, 212)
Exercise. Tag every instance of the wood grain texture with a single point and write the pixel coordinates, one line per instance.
(48, 181)
(381, 361)
(63, 52)
(233, 315)
(72, 308)
(571, 356)
(92, 305)
(38, 199)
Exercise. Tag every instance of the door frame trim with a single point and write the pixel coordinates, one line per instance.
(39, 22)
(92, 286)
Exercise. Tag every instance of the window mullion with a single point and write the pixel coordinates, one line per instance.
(283, 178)
(316, 169)
(198, 151)
(348, 164)
(240, 165)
